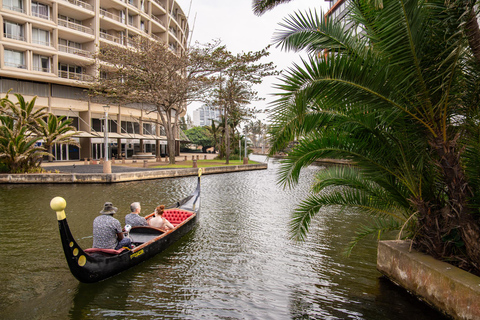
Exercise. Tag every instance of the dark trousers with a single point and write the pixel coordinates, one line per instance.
(125, 242)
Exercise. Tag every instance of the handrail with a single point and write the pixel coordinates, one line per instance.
(74, 75)
(110, 15)
(14, 8)
(14, 36)
(155, 18)
(74, 26)
(109, 37)
(82, 4)
(73, 50)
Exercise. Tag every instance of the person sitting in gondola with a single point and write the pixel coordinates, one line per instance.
(133, 218)
(107, 231)
(158, 221)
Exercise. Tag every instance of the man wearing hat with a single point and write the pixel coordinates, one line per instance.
(107, 231)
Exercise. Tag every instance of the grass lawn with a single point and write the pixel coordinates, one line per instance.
(202, 164)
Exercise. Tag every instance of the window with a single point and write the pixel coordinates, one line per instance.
(40, 36)
(41, 63)
(40, 10)
(142, 5)
(14, 59)
(130, 20)
(122, 16)
(15, 5)
(13, 30)
(142, 26)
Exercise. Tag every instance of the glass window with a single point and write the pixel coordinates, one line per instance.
(40, 10)
(15, 5)
(142, 25)
(13, 30)
(40, 36)
(14, 58)
(41, 63)
(130, 19)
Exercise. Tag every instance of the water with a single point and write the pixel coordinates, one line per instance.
(237, 264)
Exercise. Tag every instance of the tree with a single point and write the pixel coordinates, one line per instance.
(200, 136)
(261, 6)
(149, 74)
(237, 75)
(56, 130)
(215, 131)
(19, 150)
(396, 103)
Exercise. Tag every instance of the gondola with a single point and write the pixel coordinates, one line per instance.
(93, 265)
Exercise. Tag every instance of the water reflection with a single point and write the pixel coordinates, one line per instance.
(237, 264)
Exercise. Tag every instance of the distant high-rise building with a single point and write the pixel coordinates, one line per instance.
(204, 115)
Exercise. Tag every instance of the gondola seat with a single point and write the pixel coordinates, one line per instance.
(176, 216)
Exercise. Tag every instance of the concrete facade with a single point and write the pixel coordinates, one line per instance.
(451, 290)
(47, 50)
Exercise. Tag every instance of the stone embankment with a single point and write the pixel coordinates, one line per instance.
(451, 290)
(133, 175)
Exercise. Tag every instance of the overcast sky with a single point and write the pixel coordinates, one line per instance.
(235, 24)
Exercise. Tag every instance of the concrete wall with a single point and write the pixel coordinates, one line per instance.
(121, 177)
(447, 288)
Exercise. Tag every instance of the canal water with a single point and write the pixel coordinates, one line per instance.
(238, 263)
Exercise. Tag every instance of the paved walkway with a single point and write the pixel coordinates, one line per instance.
(130, 166)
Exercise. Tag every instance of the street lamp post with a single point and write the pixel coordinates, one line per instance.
(107, 168)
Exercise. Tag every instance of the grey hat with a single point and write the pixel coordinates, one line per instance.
(108, 208)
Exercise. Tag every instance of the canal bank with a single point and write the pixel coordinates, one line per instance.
(92, 173)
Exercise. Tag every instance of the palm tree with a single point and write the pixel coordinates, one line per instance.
(56, 130)
(261, 6)
(395, 102)
(18, 148)
(214, 131)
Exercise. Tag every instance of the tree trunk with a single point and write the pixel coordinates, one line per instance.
(473, 34)
(459, 214)
(227, 139)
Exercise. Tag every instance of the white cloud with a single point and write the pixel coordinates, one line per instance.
(235, 24)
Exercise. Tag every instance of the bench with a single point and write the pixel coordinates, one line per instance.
(176, 216)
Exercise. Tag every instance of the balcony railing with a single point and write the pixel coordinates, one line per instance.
(154, 36)
(74, 26)
(49, 69)
(15, 65)
(109, 37)
(161, 4)
(154, 18)
(14, 8)
(40, 15)
(41, 42)
(110, 15)
(82, 4)
(14, 36)
(74, 76)
(73, 50)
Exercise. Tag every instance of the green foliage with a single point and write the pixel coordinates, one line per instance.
(200, 136)
(394, 101)
(21, 128)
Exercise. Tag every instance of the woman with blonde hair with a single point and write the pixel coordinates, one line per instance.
(158, 221)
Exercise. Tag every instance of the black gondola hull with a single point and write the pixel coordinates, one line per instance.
(93, 267)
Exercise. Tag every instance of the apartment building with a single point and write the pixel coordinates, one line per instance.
(204, 115)
(47, 49)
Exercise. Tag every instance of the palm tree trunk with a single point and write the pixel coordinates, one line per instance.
(458, 214)
(473, 34)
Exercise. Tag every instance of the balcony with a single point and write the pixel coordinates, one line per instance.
(14, 36)
(40, 15)
(75, 26)
(73, 50)
(49, 69)
(14, 8)
(109, 37)
(154, 18)
(111, 15)
(82, 4)
(41, 42)
(161, 4)
(15, 65)
(74, 76)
